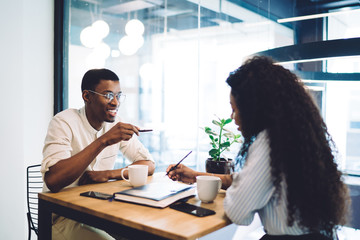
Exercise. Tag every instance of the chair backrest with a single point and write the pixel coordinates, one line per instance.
(34, 186)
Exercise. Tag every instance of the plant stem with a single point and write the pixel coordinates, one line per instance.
(219, 151)
(226, 148)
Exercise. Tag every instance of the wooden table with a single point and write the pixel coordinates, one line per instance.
(127, 219)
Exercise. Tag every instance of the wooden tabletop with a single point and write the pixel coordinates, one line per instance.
(165, 222)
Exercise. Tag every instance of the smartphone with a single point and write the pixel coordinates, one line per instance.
(97, 195)
(192, 209)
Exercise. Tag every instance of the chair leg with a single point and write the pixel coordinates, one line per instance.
(29, 227)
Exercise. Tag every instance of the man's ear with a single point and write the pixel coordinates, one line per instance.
(86, 96)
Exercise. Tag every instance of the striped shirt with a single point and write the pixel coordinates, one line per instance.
(252, 191)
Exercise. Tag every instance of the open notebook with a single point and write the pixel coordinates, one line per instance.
(156, 194)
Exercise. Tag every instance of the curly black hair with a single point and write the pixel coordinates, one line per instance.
(271, 97)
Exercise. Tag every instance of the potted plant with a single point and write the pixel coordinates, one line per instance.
(221, 141)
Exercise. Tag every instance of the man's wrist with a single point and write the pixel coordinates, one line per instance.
(110, 174)
(103, 141)
(116, 174)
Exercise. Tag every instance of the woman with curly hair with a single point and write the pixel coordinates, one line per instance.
(289, 175)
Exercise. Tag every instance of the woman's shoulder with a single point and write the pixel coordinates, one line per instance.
(259, 151)
(263, 134)
(262, 139)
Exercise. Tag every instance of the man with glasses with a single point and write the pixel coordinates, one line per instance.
(81, 146)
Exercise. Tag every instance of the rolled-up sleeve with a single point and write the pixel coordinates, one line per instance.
(251, 188)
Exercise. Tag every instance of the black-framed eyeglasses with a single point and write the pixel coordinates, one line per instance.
(110, 96)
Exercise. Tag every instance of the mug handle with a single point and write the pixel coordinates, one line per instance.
(122, 174)
(220, 183)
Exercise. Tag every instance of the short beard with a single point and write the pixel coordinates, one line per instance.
(110, 121)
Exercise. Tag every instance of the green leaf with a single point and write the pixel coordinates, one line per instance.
(213, 153)
(225, 144)
(210, 132)
(227, 130)
(227, 121)
(237, 137)
(229, 135)
(216, 123)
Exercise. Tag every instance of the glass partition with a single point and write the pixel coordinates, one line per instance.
(343, 97)
(173, 56)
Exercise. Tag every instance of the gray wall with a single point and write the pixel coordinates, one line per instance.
(26, 102)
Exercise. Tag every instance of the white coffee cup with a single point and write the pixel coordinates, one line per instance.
(208, 187)
(137, 174)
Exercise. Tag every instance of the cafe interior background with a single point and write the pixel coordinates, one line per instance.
(172, 57)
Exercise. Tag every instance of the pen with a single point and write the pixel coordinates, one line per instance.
(174, 167)
(145, 130)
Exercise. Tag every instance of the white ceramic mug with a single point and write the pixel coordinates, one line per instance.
(137, 174)
(208, 187)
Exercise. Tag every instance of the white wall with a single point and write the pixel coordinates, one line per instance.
(26, 102)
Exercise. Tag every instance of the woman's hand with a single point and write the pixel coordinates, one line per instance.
(182, 173)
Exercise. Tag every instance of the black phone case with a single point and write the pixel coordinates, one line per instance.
(192, 209)
(98, 195)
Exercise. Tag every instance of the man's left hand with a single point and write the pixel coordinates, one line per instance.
(93, 177)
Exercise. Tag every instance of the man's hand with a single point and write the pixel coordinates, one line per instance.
(120, 132)
(94, 177)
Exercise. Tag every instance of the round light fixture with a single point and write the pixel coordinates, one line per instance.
(89, 38)
(126, 46)
(134, 28)
(115, 53)
(101, 28)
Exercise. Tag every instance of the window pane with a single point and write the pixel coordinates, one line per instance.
(343, 115)
(344, 25)
(343, 98)
(173, 73)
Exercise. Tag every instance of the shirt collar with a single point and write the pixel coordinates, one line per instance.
(86, 122)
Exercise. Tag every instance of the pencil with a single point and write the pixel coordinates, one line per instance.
(174, 167)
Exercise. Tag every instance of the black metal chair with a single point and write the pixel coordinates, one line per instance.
(34, 186)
